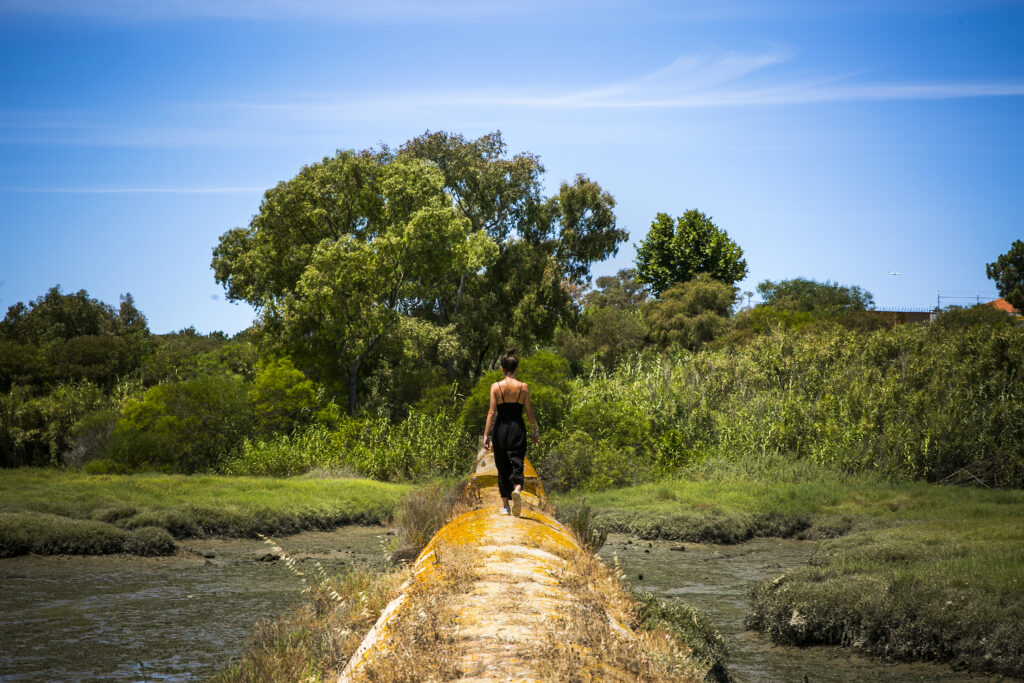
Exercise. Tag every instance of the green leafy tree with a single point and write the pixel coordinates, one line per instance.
(675, 251)
(56, 316)
(70, 337)
(280, 397)
(810, 296)
(690, 314)
(1008, 273)
(622, 290)
(340, 253)
(609, 333)
(446, 230)
(546, 245)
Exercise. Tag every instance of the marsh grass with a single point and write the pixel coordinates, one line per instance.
(688, 625)
(934, 590)
(32, 532)
(721, 507)
(55, 508)
(906, 571)
(579, 518)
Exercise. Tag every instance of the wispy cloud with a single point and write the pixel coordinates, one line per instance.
(695, 81)
(703, 81)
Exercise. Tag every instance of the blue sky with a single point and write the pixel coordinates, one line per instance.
(832, 140)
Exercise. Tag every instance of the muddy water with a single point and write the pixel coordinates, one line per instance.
(177, 618)
(716, 579)
(126, 618)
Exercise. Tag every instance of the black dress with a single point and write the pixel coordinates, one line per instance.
(509, 443)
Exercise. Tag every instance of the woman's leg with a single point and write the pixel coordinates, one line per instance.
(515, 475)
(504, 467)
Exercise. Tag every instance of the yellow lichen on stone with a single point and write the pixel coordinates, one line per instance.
(523, 583)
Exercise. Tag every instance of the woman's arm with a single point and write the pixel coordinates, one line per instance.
(490, 417)
(529, 413)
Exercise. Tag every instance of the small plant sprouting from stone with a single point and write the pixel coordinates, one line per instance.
(320, 578)
(580, 520)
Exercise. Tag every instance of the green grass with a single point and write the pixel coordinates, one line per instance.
(40, 504)
(721, 507)
(905, 570)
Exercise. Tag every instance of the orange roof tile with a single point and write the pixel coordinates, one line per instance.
(1003, 305)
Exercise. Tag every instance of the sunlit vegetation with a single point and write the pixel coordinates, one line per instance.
(388, 281)
(51, 512)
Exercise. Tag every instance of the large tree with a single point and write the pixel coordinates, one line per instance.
(546, 245)
(445, 230)
(676, 250)
(1008, 272)
(337, 255)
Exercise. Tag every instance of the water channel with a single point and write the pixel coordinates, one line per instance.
(179, 618)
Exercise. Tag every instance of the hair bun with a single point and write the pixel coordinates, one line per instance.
(510, 351)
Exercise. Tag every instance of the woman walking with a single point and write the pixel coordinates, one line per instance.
(508, 398)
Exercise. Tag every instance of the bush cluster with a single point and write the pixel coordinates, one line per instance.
(911, 402)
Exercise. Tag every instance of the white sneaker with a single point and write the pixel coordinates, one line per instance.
(517, 503)
(503, 511)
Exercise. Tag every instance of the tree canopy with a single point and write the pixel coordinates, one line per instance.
(691, 313)
(1008, 273)
(621, 290)
(675, 251)
(546, 245)
(445, 230)
(810, 296)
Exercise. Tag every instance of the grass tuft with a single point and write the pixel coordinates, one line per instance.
(579, 518)
(423, 511)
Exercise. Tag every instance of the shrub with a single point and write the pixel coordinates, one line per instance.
(690, 314)
(548, 376)
(280, 396)
(89, 437)
(284, 455)
(184, 427)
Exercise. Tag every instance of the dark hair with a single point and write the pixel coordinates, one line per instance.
(509, 361)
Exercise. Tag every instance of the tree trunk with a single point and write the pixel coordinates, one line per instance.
(353, 377)
(480, 362)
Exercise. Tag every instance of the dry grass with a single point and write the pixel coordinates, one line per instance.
(589, 642)
(314, 641)
(422, 641)
(422, 513)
